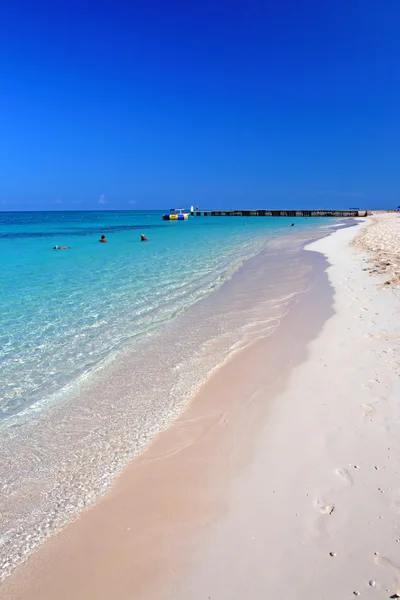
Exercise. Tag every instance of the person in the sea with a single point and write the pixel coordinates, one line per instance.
(103, 239)
(143, 238)
(60, 248)
(292, 225)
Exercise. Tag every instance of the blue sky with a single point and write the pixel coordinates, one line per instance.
(134, 105)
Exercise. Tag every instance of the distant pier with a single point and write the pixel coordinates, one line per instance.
(279, 213)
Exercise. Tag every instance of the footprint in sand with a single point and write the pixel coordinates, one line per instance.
(371, 384)
(385, 562)
(368, 410)
(344, 475)
(323, 507)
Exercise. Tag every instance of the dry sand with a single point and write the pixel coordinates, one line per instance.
(280, 480)
(316, 515)
(382, 241)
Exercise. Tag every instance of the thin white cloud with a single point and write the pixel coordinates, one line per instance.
(132, 201)
(102, 199)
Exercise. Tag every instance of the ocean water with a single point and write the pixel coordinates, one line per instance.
(63, 312)
(103, 344)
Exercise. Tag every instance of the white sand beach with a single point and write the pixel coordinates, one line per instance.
(280, 479)
(316, 514)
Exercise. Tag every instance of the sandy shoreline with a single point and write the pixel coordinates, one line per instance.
(289, 452)
(54, 466)
(316, 514)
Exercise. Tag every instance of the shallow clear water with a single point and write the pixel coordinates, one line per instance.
(63, 312)
(102, 345)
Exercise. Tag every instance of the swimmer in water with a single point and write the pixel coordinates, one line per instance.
(292, 225)
(60, 248)
(103, 239)
(143, 238)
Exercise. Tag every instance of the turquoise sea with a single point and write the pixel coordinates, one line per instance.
(102, 345)
(62, 312)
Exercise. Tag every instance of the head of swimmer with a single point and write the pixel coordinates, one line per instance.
(143, 238)
(103, 239)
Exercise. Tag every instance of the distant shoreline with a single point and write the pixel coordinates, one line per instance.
(107, 210)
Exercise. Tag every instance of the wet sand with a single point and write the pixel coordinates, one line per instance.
(278, 480)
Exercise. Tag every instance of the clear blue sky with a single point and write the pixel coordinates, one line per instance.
(143, 104)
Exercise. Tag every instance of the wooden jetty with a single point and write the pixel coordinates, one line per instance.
(279, 213)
